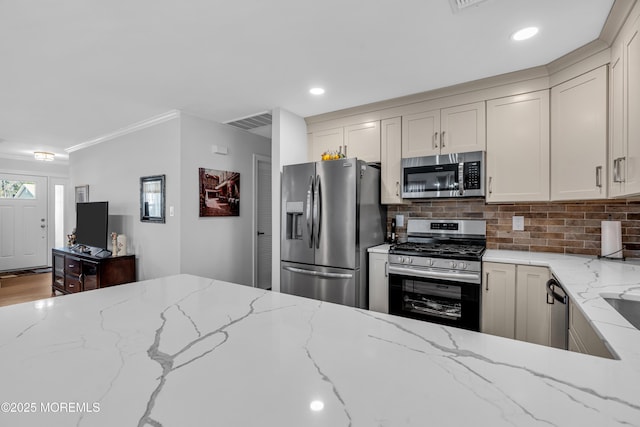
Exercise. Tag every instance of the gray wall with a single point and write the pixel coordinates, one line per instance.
(289, 146)
(113, 168)
(217, 247)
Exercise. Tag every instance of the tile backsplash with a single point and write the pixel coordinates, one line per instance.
(561, 227)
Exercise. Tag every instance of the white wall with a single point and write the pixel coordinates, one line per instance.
(217, 247)
(113, 168)
(289, 146)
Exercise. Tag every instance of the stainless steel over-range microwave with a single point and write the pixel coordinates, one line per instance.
(445, 175)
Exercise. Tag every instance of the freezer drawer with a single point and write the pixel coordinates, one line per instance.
(337, 285)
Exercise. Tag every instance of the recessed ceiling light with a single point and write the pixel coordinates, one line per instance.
(316, 91)
(525, 33)
(44, 156)
(317, 405)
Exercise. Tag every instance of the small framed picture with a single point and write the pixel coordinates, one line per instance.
(82, 194)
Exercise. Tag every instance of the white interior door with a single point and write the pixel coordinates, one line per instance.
(262, 223)
(23, 221)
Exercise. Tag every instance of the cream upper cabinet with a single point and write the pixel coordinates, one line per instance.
(390, 160)
(363, 141)
(631, 160)
(616, 122)
(625, 109)
(421, 134)
(458, 129)
(533, 314)
(325, 140)
(579, 137)
(518, 148)
(463, 129)
(498, 299)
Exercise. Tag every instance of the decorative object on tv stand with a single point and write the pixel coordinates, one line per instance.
(114, 243)
(219, 193)
(71, 238)
(121, 245)
(152, 198)
(82, 194)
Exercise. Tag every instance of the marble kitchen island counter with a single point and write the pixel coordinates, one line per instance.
(190, 351)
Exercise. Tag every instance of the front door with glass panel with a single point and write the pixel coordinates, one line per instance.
(23, 221)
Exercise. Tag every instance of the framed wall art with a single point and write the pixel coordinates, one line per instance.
(152, 198)
(219, 193)
(82, 194)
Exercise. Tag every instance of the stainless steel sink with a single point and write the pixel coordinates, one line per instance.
(629, 309)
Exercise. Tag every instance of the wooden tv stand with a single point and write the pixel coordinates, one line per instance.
(78, 272)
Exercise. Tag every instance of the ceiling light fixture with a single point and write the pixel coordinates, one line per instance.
(44, 156)
(524, 34)
(316, 91)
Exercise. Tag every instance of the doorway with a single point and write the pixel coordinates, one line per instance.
(23, 221)
(262, 222)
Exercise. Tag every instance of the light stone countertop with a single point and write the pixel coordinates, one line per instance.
(586, 279)
(191, 351)
(380, 249)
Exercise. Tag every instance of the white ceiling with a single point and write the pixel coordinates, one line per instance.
(75, 70)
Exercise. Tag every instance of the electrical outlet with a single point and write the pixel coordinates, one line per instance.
(518, 223)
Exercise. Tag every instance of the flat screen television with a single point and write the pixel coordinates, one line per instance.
(92, 220)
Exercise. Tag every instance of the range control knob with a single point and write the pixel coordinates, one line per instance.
(429, 262)
(462, 266)
(452, 264)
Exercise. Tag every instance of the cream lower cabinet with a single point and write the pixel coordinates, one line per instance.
(579, 137)
(378, 282)
(582, 337)
(390, 160)
(533, 314)
(498, 299)
(518, 148)
(514, 302)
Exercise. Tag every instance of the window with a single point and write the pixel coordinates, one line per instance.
(17, 189)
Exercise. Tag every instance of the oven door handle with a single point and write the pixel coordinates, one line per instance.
(405, 271)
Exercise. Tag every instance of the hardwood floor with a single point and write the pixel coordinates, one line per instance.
(33, 287)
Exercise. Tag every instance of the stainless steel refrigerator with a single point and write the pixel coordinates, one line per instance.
(331, 215)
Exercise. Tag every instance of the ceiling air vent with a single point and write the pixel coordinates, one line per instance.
(252, 122)
(460, 5)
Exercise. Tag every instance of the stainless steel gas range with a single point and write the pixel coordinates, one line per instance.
(436, 274)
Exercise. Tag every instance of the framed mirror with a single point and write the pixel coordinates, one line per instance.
(152, 198)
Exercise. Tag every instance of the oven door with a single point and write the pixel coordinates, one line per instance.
(435, 300)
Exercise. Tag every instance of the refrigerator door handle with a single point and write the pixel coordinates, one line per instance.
(319, 273)
(317, 210)
(310, 207)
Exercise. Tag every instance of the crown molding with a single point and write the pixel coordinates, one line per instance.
(617, 17)
(152, 121)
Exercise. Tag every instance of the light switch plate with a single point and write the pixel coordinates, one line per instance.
(518, 223)
(171, 211)
(399, 220)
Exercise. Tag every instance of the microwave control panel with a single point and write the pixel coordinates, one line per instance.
(472, 175)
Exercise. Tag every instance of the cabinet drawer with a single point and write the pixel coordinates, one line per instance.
(73, 266)
(73, 285)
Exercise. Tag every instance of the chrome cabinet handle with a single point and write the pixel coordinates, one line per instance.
(442, 139)
(386, 269)
(490, 184)
(397, 188)
(616, 176)
(435, 139)
(486, 281)
(599, 176)
(620, 175)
